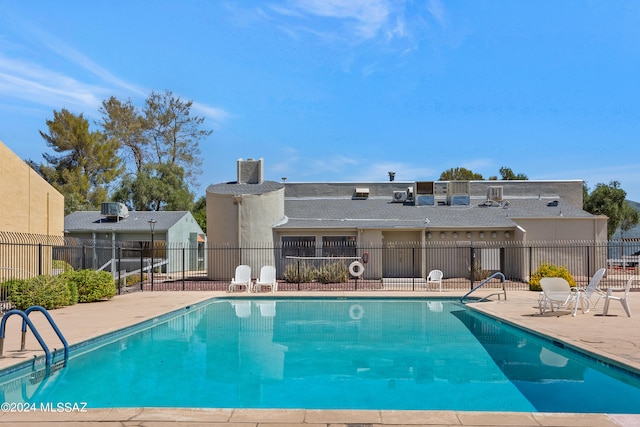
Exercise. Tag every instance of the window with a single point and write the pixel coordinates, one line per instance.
(298, 246)
(339, 246)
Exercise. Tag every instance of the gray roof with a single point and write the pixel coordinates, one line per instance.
(382, 213)
(235, 188)
(136, 221)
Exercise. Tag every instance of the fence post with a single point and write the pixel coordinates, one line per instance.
(183, 267)
(530, 261)
(141, 269)
(119, 269)
(39, 259)
(298, 252)
(413, 267)
(84, 257)
(473, 265)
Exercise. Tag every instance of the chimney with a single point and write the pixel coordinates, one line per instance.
(392, 176)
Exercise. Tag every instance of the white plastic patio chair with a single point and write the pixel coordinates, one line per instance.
(624, 299)
(557, 294)
(435, 277)
(592, 293)
(242, 278)
(267, 279)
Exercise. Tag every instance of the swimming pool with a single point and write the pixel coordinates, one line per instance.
(331, 354)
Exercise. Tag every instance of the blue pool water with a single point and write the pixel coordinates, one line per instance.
(331, 354)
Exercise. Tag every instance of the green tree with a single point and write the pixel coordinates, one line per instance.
(507, 174)
(175, 135)
(629, 218)
(160, 142)
(200, 212)
(607, 200)
(122, 122)
(85, 163)
(156, 187)
(459, 174)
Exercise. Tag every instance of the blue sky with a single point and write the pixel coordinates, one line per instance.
(346, 90)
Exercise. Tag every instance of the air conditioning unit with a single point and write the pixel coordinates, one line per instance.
(114, 210)
(399, 196)
(409, 192)
(424, 187)
(494, 193)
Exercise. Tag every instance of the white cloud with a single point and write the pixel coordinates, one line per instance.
(359, 19)
(214, 113)
(31, 82)
(437, 11)
(368, 16)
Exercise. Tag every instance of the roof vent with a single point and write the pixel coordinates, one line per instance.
(114, 210)
(361, 193)
(494, 193)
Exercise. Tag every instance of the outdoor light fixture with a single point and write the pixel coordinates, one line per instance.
(494, 234)
(507, 234)
(455, 234)
(152, 226)
(429, 236)
(442, 235)
(468, 234)
(481, 234)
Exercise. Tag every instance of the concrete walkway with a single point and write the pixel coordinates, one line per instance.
(614, 337)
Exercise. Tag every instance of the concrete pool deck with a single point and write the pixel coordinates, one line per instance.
(615, 337)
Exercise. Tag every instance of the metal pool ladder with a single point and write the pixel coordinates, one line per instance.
(499, 293)
(27, 322)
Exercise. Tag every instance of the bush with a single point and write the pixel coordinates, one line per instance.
(134, 279)
(92, 285)
(549, 270)
(46, 291)
(299, 273)
(61, 265)
(333, 273)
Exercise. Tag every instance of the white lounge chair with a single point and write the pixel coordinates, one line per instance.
(435, 277)
(557, 294)
(592, 293)
(624, 299)
(242, 278)
(267, 279)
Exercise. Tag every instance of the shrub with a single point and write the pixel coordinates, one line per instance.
(134, 279)
(61, 265)
(303, 273)
(549, 270)
(92, 285)
(336, 272)
(46, 291)
(479, 273)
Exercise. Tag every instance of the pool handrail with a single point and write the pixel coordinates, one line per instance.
(26, 321)
(504, 290)
(51, 322)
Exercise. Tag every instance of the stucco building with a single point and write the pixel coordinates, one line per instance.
(31, 211)
(319, 216)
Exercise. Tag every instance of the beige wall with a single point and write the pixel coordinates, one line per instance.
(554, 229)
(242, 221)
(28, 204)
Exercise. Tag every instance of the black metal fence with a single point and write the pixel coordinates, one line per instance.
(302, 266)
